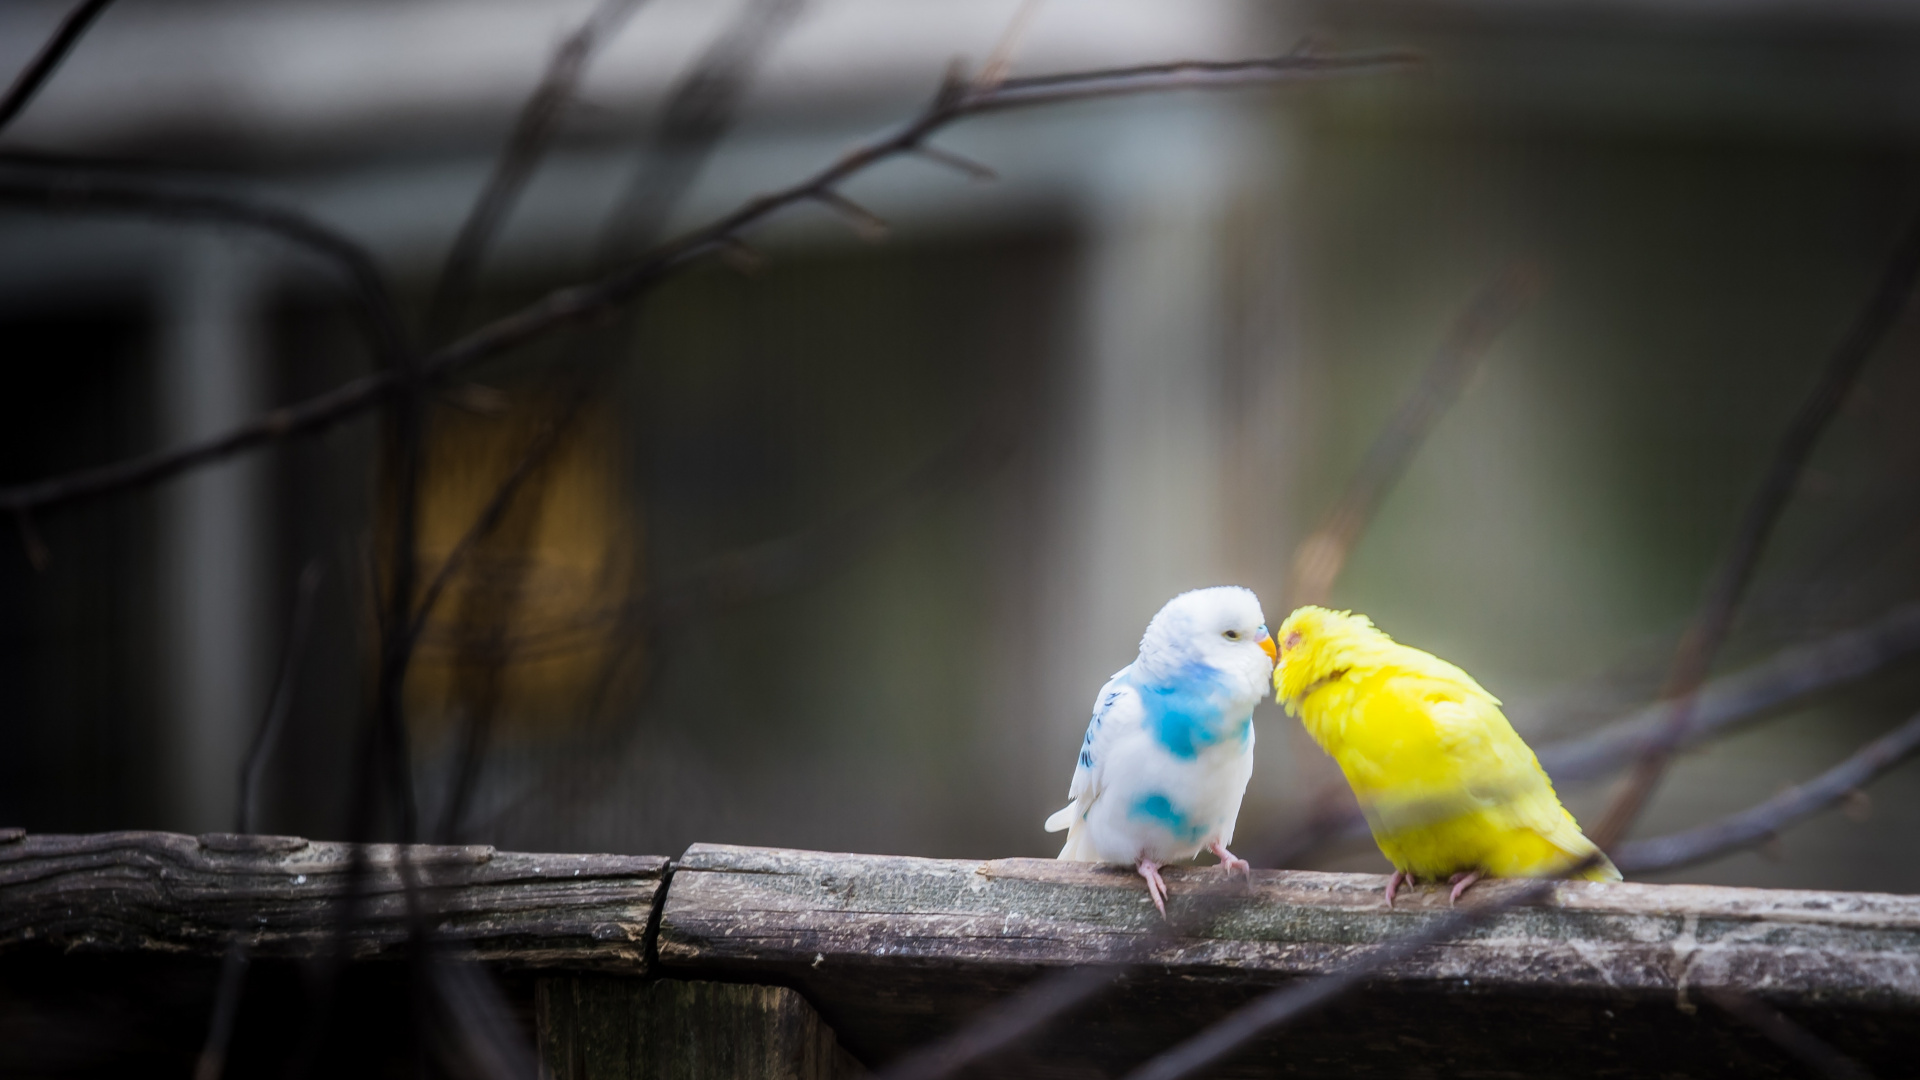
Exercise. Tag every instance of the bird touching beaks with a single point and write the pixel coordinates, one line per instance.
(1169, 750)
(1449, 789)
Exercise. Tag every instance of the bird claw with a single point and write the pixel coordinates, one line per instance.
(1397, 879)
(1231, 861)
(1460, 882)
(1156, 886)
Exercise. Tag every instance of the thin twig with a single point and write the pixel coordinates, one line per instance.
(960, 163)
(1813, 1051)
(233, 965)
(41, 68)
(1701, 644)
(280, 703)
(588, 302)
(1000, 60)
(1318, 560)
(532, 131)
(1756, 824)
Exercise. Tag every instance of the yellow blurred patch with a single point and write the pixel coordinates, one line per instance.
(531, 624)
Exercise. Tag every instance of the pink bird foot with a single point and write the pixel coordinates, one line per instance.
(1460, 881)
(1399, 878)
(1156, 887)
(1231, 861)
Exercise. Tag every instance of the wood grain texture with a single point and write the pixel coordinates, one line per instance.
(892, 950)
(170, 893)
(762, 907)
(610, 1028)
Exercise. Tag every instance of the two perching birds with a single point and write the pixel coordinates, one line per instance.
(1449, 789)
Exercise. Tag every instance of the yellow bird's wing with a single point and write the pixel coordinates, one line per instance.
(1517, 798)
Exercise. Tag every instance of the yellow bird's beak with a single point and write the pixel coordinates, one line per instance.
(1267, 646)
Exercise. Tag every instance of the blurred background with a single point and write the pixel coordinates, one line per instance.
(944, 478)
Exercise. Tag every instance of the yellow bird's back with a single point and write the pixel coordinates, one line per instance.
(1447, 785)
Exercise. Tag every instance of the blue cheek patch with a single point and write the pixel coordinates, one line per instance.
(1160, 810)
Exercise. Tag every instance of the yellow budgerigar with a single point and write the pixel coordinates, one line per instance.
(1447, 785)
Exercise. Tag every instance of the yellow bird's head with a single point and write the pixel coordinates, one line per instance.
(1316, 645)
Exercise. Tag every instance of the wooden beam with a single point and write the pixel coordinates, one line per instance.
(1602, 980)
(165, 892)
(892, 950)
(608, 1028)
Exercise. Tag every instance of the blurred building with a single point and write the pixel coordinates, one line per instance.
(1141, 360)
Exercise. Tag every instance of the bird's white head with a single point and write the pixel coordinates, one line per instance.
(1221, 627)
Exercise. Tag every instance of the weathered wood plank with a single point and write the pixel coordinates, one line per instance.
(611, 1028)
(768, 908)
(893, 949)
(168, 892)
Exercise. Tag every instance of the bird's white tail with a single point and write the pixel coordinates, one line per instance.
(1077, 849)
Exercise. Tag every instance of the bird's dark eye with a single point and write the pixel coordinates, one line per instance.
(1233, 635)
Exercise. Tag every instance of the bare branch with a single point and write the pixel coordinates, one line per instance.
(594, 300)
(1756, 824)
(1187, 75)
(1727, 703)
(960, 163)
(41, 68)
(867, 224)
(1320, 556)
(1695, 656)
(532, 132)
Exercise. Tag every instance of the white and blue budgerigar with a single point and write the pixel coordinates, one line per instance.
(1170, 748)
